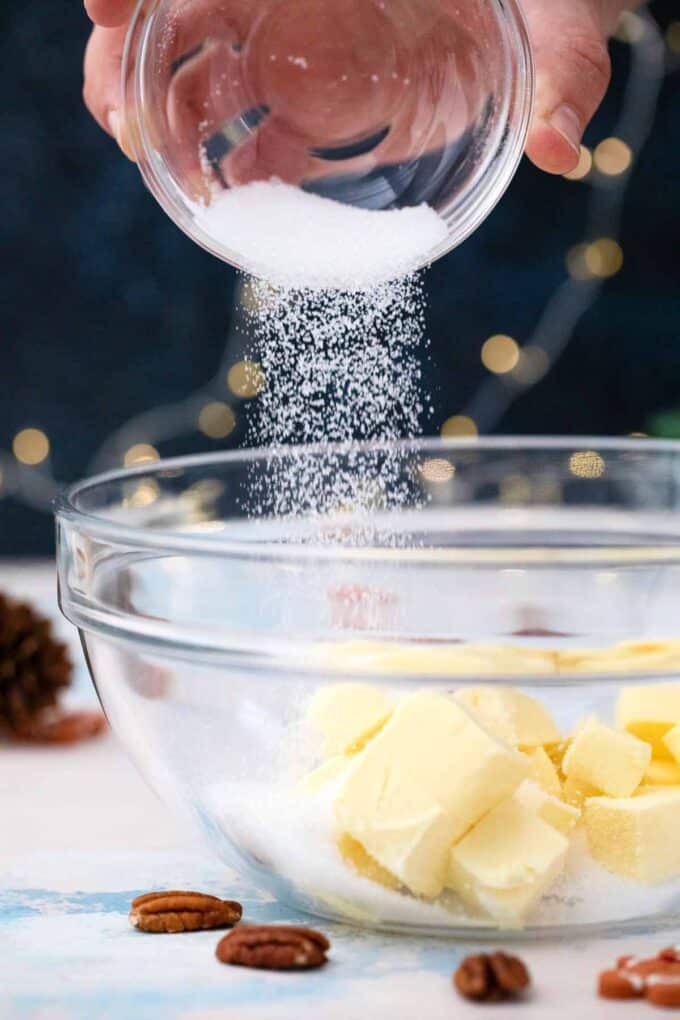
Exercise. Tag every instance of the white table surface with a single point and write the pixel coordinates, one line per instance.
(80, 835)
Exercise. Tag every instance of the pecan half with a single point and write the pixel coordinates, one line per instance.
(656, 979)
(273, 947)
(174, 911)
(64, 728)
(491, 977)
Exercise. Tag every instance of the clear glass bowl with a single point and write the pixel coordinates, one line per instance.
(381, 106)
(226, 630)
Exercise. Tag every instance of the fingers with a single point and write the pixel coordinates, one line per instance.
(572, 75)
(102, 87)
(109, 13)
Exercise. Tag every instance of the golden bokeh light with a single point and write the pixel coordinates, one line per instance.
(533, 364)
(217, 420)
(673, 37)
(437, 469)
(603, 258)
(630, 28)
(245, 379)
(31, 446)
(500, 354)
(141, 453)
(612, 157)
(587, 464)
(583, 167)
(459, 426)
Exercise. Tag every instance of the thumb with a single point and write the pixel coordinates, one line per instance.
(572, 75)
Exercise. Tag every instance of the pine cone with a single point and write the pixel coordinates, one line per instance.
(34, 666)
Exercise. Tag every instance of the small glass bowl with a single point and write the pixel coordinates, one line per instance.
(216, 620)
(379, 106)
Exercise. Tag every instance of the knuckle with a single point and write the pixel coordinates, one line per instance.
(589, 54)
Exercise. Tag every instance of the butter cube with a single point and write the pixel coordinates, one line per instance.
(544, 773)
(638, 837)
(420, 784)
(507, 862)
(348, 715)
(326, 773)
(607, 759)
(354, 854)
(552, 810)
(650, 712)
(511, 715)
(662, 773)
(577, 793)
(672, 742)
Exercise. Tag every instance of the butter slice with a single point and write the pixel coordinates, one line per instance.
(662, 773)
(507, 862)
(552, 810)
(672, 742)
(511, 715)
(354, 854)
(638, 837)
(440, 659)
(348, 715)
(544, 772)
(611, 761)
(576, 793)
(420, 784)
(650, 712)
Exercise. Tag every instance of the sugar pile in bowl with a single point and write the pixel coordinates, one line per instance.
(296, 239)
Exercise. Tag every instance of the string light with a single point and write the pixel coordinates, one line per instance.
(144, 494)
(141, 453)
(612, 157)
(217, 420)
(532, 365)
(31, 446)
(500, 354)
(245, 379)
(604, 258)
(459, 426)
(587, 464)
(583, 167)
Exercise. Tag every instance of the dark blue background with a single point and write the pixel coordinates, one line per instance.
(107, 309)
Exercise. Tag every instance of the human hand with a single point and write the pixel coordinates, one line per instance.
(570, 45)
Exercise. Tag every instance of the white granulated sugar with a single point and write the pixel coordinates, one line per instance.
(338, 367)
(290, 237)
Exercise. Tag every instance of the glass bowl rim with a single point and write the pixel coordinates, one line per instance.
(99, 525)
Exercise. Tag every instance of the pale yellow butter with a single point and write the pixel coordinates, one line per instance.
(512, 715)
(421, 783)
(672, 742)
(611, 761)
(439, 659)
(577, 793)
(552, 810)
(650, 712)
(507, 862)
(638, 837)
(544, 772)
(354, 854)
(348, 715)
(662, 773)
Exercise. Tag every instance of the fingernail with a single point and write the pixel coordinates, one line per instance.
(567, 122)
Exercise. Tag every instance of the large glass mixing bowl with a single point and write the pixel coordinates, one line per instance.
(267, 662)
(380, 105)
